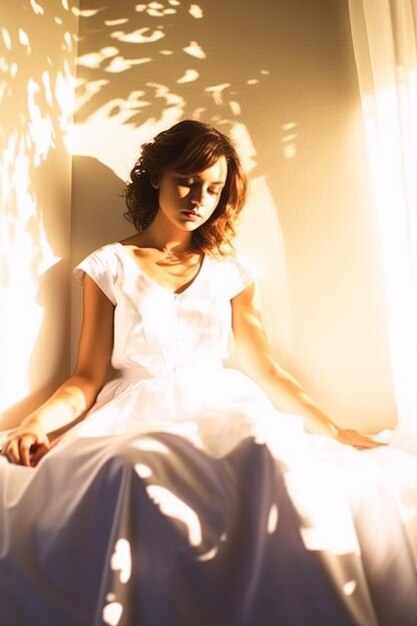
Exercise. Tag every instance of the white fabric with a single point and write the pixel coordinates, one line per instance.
(169, 348)
(384, 34)
(186, 498)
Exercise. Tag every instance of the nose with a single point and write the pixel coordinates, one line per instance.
(198, 196)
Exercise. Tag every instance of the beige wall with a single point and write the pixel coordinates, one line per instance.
(37, 53)
(280, 77)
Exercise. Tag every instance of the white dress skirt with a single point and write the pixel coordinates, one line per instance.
(185, 499)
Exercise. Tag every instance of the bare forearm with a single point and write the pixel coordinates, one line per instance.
(73, 398)
(287, 395)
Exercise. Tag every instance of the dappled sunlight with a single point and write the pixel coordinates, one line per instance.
(112, 613)
(37, 100)
(272, 519)
(109, 115)
(121, 560)
(126, 94)
(172, 506)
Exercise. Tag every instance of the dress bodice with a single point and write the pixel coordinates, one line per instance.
(158, 332)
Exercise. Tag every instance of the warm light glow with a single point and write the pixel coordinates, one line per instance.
(385, 46)
(22, 239)
(37, 94)
(390, 149)
(321, 500)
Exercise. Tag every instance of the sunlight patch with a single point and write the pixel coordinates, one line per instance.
(5, 35)
(84, 12)
(142, 470)
(208, 556)
(349, 587)
(121, 560)
(93, 60)
(327, 523)
(171, 506)
(188, 77)
(138, 36)
(112, 613)
(217, 92)
(272, 519)
(241, 137)
(195, 50)
(118, 22)
(24, 40)
(235, 107)
(37, 9)
(196, 11)
(120, 64)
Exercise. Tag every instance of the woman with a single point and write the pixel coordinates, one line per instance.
(186, 192)
(161, 503)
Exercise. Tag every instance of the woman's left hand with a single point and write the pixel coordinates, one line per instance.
(357, 440)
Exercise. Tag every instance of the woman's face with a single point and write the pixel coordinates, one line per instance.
(188, 201)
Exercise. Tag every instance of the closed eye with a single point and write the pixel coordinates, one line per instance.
(215, 191)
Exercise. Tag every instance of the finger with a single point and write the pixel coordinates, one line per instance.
(11, 451)
(25, 444)
(3, 450)
(360, 442)
(367, 442)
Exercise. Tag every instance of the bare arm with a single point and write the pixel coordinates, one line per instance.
(286, 394)
(77, 394)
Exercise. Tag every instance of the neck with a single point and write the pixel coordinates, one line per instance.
(163, 235)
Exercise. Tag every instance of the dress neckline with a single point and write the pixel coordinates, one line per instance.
(151, 281)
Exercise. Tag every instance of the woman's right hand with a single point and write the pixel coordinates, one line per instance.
(25, 445)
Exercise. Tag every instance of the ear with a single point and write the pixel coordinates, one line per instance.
(155, 182)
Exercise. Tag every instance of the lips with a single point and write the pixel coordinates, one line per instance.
(191, 215)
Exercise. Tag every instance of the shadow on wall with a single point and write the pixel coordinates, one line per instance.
(97, 193)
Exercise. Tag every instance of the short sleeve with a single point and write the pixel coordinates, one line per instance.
(242, 274)
(101, 266)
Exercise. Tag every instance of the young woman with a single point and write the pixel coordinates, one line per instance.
(159, 306)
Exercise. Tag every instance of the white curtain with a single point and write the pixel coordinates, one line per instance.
(384, 36)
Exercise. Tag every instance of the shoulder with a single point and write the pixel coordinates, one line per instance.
(103, 266)
(106, 255)
(235, 272)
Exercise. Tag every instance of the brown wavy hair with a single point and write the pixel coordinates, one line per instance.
(187, 148)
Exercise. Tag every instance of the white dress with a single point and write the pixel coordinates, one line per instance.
(170, 349)
(184, 498)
